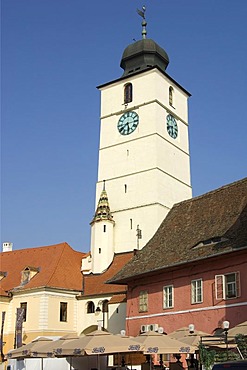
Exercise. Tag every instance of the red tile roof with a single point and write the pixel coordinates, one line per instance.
(209, 225)
(95, 284)
(58, 265)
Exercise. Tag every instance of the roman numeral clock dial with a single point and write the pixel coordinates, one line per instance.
(127, 123)
(172, 126)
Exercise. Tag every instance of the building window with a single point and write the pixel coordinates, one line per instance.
(125, 188)
(27, 274)
(127, 93)
(104, 228)
(196, 291)
(171, 95)
(23, 305)
(90, 307)
(143, 301)
(105, 305)
(131, 223)
(168, 296)
(63, 311)
(227, 286)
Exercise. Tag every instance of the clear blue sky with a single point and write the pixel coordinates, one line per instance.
(55, 53)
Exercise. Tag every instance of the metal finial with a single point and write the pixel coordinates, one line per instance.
(144, 23)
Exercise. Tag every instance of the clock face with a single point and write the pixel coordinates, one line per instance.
(127, 123)
(172, 126)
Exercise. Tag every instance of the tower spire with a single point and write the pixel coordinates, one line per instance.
(144, 23)
(103, 211)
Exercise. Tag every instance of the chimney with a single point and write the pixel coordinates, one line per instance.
(7, 247)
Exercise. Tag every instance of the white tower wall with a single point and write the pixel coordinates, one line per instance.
(147, 171)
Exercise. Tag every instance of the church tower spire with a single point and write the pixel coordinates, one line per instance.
(102, 224)
(103, 209)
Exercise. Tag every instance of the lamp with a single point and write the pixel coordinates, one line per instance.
(191, 328)
(98, 309)
(226, 326)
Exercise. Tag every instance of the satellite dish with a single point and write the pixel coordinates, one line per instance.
(123, 333)
(161, 330)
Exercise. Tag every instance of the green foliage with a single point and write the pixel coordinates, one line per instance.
(241, 341)
(223, 356)
(207, 357)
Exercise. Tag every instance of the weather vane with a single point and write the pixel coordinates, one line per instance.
(144, 23)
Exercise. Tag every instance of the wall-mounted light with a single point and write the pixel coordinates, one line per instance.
(98, 309)
(191, 328)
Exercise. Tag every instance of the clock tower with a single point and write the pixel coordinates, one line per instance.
(144, 158)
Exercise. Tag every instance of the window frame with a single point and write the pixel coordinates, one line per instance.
(194, 291)
(171, 95)
(128, 93)
(222, 286)
(63, 312)
(143, 301)
(168, 297)
(90, 307)
(23, 305)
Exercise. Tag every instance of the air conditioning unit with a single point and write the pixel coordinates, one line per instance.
(144, 328)
(153, 327)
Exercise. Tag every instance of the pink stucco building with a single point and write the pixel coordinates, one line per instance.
(194, 269)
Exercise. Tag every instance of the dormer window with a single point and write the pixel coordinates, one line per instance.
(127, 93)
(2, 275)
(210, 242)
(27, 274)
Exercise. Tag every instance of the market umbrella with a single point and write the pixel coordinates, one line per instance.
(192, 339)
(162, 344)
(238, 329)
(184, 333)
(98, 343)
(48, 349)
(25, 350)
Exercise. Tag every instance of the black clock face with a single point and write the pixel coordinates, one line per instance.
(172, 126)
(127, 123)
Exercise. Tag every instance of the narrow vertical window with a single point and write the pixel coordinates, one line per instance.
(171, 96)
(63, 311)
(104, 228)
(131, 223)
(168, 296)
(90, 307)
(99, 250)
(127, 93)
(143, 301)
(24, 308)
(125, 188)
(196, 291)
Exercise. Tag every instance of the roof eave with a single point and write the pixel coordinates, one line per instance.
(125, 280)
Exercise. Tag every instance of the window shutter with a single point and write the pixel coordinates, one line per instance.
(220, 286)
(238, 287)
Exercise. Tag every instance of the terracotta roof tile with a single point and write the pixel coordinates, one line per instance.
(94, 284)
(219, 213)
(118, 298)
(59, 267)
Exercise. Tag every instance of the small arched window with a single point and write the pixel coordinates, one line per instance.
(90, 307)
(105, 305)
(171, 95)
(128, 93)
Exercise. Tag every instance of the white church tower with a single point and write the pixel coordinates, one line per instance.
(144, 148)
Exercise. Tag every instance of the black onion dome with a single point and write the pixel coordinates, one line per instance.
(143, 54)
